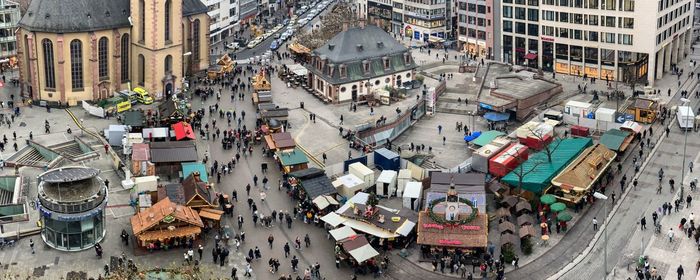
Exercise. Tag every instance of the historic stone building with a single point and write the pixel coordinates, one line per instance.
(88, 49)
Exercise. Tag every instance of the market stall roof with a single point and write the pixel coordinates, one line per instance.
(342, 233)
(358, 198)
(164, 210)
(181, 151)
(298, 69)
(324, 201)
(642, 103)
(140, 152)
(293, 157)
(157, 235)
(632, 126)
(614, 139)
(211, 214)
(281, 136)
(527, 230)
(396, 222)
(155, 132)
(359, 248)
(270, 143)
(471, 235)
(314, 182)
(496, 116)
(523, 205)
(134, 118)
(174, 192)
(369, 229)
(540, 171)
(525, 219)
(406, 228)
(502, 212)
(195, 189)
(333, 219)
(183, 130)
(285, 144)
(280, 113)
(486, 137)
(508, 239)
(192, 167)
(506, 226)
(585, 170)
(412, 190)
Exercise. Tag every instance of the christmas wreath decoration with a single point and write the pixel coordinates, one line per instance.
(441, 220)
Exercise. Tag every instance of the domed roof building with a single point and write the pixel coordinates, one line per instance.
(73, 50)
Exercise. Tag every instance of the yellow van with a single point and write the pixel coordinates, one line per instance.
(143, 96)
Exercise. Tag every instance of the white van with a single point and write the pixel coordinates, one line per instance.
(686, 117)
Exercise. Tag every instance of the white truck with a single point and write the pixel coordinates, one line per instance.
(686, 117)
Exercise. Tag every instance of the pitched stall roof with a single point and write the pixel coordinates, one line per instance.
(149, 218)
(182, 151)
(294, 157)
(174, 192)
(540, 170)
(183, 130)
(140, 151)
(315, 182)
(614, 139)
(586, 168)
(192, 167)
(486, 137)
(195, 188)
(134, 118)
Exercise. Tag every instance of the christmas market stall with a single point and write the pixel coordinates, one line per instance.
(311, 183)
(166, 225)
(583, 176)
(291, 160)
(452, 222)
(357, 249)
(169, 156)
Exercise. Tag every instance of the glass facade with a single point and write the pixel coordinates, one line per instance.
(74, 235)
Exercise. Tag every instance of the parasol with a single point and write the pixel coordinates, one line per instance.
(558, 207)
(564, 216)
(548, 199)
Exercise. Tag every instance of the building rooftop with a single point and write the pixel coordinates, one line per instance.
(70, 184)
(509, 86)
(359, 43)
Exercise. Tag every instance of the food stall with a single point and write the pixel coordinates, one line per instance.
(224, 65)
(617, 140)
(166, 225)
(348, 185)
(508, 159)
(386, 183)
(291, 160)
(582, 175)
(260, 82)
(535, 135)
(480, 159)
(644, 110)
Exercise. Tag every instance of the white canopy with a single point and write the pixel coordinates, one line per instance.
(406, 228)
(358, 198)
(298, 70)
(364, 253)
(333, 219)
(342, 233)
(413, 190)
(324, 201)
(369, 229)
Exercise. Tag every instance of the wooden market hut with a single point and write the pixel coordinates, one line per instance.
(169, 156)
(527, 231)
(581, 176)
(471, 237)
(197, 192)
(644, 110)
(292, 160)
(260, 82)
(165, 224)
(170, 112)
(525, 220)
(506, 227)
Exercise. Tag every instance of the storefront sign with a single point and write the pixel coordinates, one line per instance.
(449, 242)
(435, 226)
(471, 228)
(547, 39)
(442, 227)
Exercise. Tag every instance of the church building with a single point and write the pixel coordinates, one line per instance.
(73, 50)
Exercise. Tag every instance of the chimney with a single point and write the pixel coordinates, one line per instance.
(362, 23)
(345, 26)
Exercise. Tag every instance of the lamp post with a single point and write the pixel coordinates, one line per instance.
(605, 232)
(686, 102)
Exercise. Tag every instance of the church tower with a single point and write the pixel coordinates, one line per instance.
(157, 45)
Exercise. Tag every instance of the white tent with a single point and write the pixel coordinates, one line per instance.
(364, 253)
(348, 185)
(342, 233)
(298, 69)
(324, 201)
(333, 219)
(369, 229)
(412, 194)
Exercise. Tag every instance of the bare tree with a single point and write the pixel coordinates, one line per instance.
(331, 24)
(549, 148)
(521, 171)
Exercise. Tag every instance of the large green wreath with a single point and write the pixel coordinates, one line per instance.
(439, 218)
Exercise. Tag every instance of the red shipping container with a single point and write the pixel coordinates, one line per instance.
(535, 143)
(508, 159)
(580, 131)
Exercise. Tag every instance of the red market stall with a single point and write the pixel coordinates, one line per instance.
(183, 130)
(508, 159)
(581, 131)
(535, 135)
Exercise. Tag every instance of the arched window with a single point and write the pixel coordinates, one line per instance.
(49, 73)
(168, 64)
(125, 58)
(103, 58)
(167, 20)
(76, 64)
(142, 70)
(142, 21)
(195, 39)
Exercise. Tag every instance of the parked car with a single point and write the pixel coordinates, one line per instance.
(233, 46)
(275, 45)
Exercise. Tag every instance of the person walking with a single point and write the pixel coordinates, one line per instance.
(595, 224)
(270, 240)
(31, 245)
(680, 272)
(670, 235)
(286, 249)
(643, 223)
(439, 127)
(341, 119)
(200, 250)
(690, 166)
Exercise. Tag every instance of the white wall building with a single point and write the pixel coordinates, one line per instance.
(358, 61)
(604, 39)
(224, 16)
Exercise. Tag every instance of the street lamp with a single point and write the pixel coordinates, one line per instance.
(605, 232)
(686, 102)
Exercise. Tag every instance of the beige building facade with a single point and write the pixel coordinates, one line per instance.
(87, 51)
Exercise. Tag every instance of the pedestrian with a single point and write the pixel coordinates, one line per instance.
(634, 183)
(200, 250)
(595, 224)
(341, 120)
(286, 249)
(613, 198)
(307, 240)
(643, 223)
(680, 272)
(233, 273)
(31, 245)
(324, 158)
(270, 240)
(439, 127)
(670, 234)
(688, 200)
(443, 140)
(690, 166)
